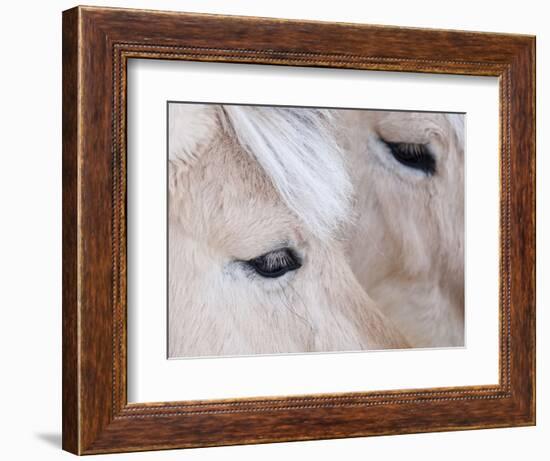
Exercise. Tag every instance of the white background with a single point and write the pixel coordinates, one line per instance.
(30, 247)
(152, 378)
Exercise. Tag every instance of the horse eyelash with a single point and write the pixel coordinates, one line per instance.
(275, 263)
(416, 156)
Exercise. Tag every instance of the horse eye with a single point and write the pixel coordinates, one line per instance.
(275, 263)
(416, 156)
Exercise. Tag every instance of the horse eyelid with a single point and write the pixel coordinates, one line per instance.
(287, 260)
(422, 158)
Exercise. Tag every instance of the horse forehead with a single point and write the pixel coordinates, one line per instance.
(240, 177)
(401, 126)
(411, 123)
(237, 204)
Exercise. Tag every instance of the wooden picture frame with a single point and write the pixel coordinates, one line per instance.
(97, 43)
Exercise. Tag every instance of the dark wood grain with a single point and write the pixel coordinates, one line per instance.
(97, 43)
(70, 385)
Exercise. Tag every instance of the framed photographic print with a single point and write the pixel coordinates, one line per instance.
(281, 230)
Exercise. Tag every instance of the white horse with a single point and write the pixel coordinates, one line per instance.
(407, 244)
(269, 232)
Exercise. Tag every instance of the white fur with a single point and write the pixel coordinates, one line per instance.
(247, 180)
(227, 208)
(297, 150)
(407, 245)
(189, 127)
(294, 147)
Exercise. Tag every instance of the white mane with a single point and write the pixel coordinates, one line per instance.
(295, 147)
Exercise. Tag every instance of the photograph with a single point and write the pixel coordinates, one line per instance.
(298, 230)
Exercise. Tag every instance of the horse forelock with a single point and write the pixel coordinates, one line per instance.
(298, 151)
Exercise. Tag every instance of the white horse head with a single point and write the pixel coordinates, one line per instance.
(259, 200)
(407, 245)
